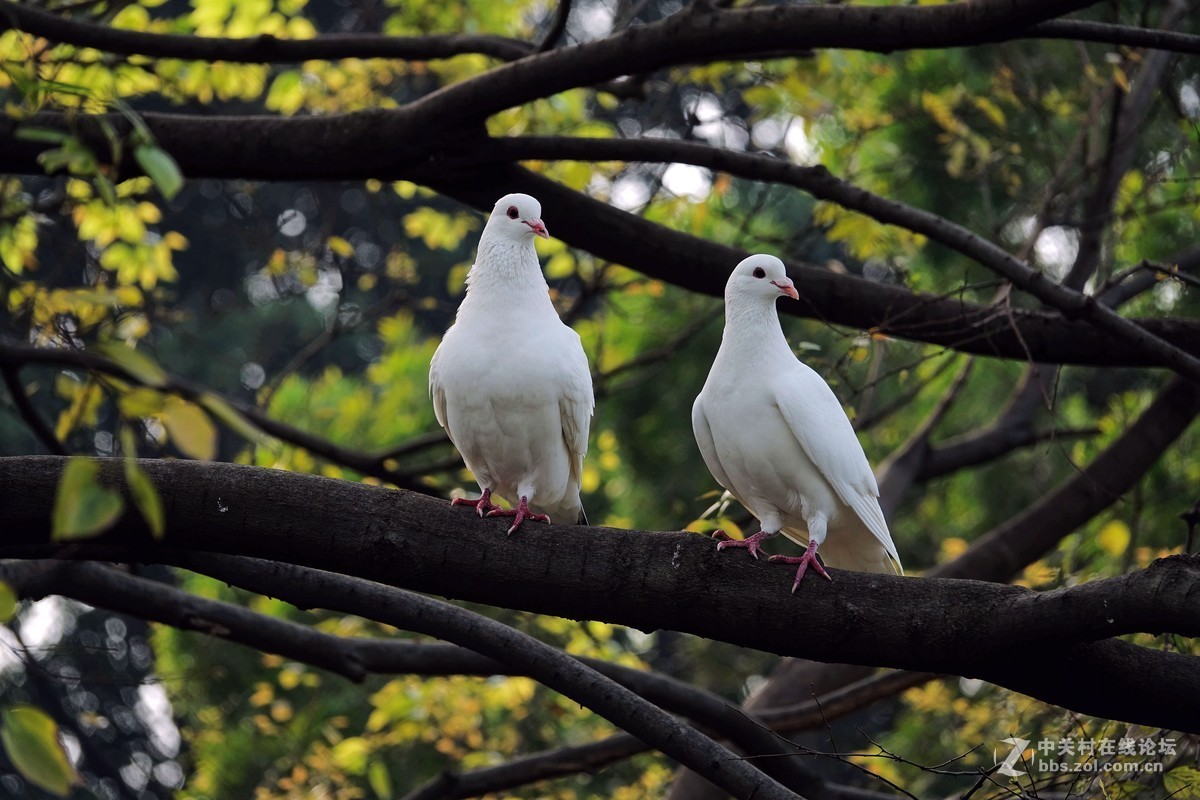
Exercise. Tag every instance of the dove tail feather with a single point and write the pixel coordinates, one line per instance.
(852, 548)
(582, 519)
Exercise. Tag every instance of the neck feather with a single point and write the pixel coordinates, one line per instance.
(752, 327)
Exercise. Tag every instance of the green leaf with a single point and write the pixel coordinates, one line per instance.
(145, 496)
(31, 740)
(83, 508)
(137, 364)
(1183, 783)
(380, 780)
(190, 429)
(351, 754)
(8, 602)
(161, 168)
(48, 135)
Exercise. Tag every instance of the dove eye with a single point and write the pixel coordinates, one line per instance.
(512, 212)
(759, 272)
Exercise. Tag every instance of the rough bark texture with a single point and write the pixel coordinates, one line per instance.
(652, 580)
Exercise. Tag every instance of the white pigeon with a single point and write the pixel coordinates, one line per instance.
(510, 382)
(773, 433)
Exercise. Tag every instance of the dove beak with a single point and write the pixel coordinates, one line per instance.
(787, 287)
(537, 227)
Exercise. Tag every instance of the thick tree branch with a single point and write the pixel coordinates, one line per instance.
(703, 266)
(766, 31)
(821, 184)
(267, 49)
(274, 148)
(645, 580)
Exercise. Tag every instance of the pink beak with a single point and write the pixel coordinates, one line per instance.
(537, 227)
(787, 287)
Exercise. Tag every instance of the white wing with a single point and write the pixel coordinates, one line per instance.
(576, 403)
(704, 440)
(817, 420)
(437, 392)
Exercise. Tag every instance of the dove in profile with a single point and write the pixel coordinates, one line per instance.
(773, 433)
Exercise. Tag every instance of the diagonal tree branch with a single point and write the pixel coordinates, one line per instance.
(41, 430)
(703, 266)
(14, 355)
(315, 588)
(355, 658)
(821, 184)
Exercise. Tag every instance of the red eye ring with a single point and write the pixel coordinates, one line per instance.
(759, 272)
(512, 212)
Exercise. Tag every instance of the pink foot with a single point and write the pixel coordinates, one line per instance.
(809, 557)
(521, 512)
(751, 543)
(482, 507)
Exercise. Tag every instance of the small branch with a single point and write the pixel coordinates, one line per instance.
(1107, 33)
(262, 49)
(13, 355)
(556, 27)
(38, 426)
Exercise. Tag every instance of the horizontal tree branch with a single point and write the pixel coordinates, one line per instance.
(273, 148)
(262, 49)
(649, 581)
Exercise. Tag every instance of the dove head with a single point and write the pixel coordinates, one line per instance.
(516, 217)
(759, 278)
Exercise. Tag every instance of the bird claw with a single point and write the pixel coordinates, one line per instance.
(483, 506)
(809, 558)
(751, 543)
(521, 512)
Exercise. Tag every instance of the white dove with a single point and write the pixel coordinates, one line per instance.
(773, 433)
(510, 382)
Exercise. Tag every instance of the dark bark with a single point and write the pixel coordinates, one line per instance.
(652, 580)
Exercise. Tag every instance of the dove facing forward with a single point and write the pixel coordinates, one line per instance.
(773, 433)
(510, 382)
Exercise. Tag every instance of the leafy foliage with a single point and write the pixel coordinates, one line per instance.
(321, 305)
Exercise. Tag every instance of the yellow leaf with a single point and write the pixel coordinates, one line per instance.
(351, 754)
(340, 246)
(1114, 537)
(30, 738)
(137, 364)
(190, 429)
(8, 602)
